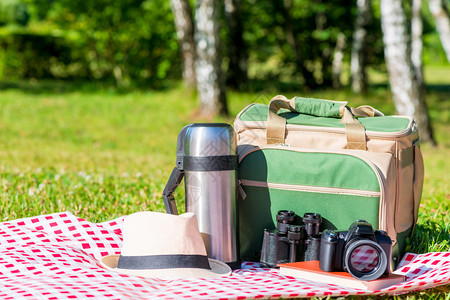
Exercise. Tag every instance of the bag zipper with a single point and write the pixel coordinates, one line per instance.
(307, 188)
(241, 190)
(383, 224)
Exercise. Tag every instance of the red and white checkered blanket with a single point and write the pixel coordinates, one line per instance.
(56, 256)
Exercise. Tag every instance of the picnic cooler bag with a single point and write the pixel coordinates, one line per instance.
(313, 155)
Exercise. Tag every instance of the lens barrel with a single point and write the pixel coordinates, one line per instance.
(365, 260)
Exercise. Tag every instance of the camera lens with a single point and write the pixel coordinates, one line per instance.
(365, 260)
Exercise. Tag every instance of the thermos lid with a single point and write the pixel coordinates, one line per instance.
(210, 139)
(207, 147)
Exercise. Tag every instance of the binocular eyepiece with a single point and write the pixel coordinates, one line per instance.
(312, 223)
(284, 220)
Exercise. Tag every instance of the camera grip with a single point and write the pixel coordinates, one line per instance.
(327, 250)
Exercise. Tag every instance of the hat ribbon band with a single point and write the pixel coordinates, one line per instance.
(170, 261)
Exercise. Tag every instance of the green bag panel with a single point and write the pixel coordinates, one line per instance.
(328, 170)
(309, 179)
(258, 210)
(258, 112)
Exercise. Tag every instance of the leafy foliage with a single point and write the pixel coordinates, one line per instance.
(33, 55)
(13, 12)
(129, 41)
(133, 42)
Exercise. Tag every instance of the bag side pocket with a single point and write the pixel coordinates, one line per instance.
(419, 171)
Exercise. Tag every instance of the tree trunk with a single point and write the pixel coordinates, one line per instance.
(441, 16)
(237, 69)
(417, 44)
(338, 57)
(359, 46)
(185, 32)
(397, 52)
(210, 81)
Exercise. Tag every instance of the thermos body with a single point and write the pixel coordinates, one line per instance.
(210, 186)
(207, 159)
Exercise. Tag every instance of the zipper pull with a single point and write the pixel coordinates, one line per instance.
(283, 145)
(241, 190)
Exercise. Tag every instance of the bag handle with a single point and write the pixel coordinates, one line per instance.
(356, 136)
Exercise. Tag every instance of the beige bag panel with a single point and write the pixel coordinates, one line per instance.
(411, 175)
(312, 140)
(419, 173)
(408, 140)
(404, 211)
(386, 164)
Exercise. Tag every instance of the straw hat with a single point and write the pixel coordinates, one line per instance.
(164, 246)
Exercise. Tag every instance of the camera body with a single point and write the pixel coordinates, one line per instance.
(281, 245)
(361, 251)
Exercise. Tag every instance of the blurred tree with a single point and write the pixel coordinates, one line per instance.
(359, 46)
(185, 32)
(210, 79)
(417, 44)
(407, 97)
(441, 16)
(237, 67)
(13, 12)
(338, 59)
(285, 8)
(325, 47)
(307, 34)
(134, 42)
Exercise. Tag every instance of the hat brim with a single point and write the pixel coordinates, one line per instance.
(218, 269)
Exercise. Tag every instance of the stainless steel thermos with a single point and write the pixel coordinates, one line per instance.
(207, 159)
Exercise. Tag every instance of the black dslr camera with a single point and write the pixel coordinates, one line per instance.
(280, 245)
(361, 251)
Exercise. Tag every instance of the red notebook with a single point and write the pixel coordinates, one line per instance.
(309, 270)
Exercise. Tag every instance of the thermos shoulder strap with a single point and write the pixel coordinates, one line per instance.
(172, 184)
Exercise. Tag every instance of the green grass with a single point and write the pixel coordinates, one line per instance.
(97, 155)
(101, 154)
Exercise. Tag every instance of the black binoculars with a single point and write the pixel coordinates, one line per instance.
(289, 242)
